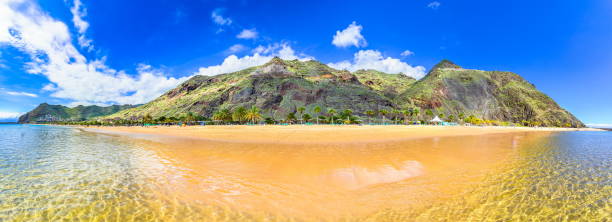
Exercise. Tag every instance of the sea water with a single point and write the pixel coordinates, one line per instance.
(51, 173)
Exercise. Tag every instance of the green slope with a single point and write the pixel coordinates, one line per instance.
(279, 87)
(52, 113)
(390, 85)
(493, 95)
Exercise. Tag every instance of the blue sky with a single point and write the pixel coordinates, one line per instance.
(108, 52)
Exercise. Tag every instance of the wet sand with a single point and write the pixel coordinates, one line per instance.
(388, 173)
(317, 134)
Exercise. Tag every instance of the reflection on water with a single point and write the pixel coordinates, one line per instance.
(53, 173)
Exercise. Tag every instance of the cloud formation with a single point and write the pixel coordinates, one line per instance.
(407, 53)
(21, 94)
(372, 59)
(247, 34)
(261, 55)
(9, 116)
(351, 36)
(78, 12)
(218, 18)
(74, 77)
(236, 48)
(434, 5)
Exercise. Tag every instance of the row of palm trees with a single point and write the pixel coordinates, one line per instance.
(240, 114)
(253, 115)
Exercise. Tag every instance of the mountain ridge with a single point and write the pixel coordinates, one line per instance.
(280, 87)
(55, 113)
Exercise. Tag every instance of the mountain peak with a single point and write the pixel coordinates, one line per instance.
(275, 67)
(276, 60)
(446, 64)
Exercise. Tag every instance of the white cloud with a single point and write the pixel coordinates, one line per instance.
(600, 125)
(77, 16)
(78, 12)
(236, 48)
(282, 50)
(81, 103)
(351, 36)
(49, 87)
(407, 53)
(48, 43)
(219, 19)
(372, 59)
(248, 34)
(9, 115)
(21, 94)
(261, 55)
(434, 5)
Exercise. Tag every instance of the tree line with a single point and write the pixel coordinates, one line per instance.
(317, 115)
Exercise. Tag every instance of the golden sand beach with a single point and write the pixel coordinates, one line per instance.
(318, 133)
(324, 172)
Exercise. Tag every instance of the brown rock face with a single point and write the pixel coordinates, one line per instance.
(281, 86)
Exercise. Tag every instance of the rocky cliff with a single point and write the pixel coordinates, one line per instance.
(279, 87)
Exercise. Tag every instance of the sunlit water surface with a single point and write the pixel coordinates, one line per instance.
(56, 173)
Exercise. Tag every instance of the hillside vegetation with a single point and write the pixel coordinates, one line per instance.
(54, 113)
(284, 89)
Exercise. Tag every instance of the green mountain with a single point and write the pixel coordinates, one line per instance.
(280, 87)
(493, 95)
(53, 113)
(277, 88)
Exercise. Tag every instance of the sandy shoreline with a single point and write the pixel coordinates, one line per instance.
(316, 133)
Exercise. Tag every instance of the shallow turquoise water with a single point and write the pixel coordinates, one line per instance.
(54, 173)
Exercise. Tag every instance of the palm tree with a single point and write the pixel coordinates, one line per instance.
(322, 118)
(331, 112)
(383, 112)
(190, 117)
(306, 117)
(347, 113)
(461, 117)
(253, 114)
(147, 119)
(406, 114)
(239, 114)
(451, 118)
(370, 114)
(396, 113)
(269, 120)
(317, 110)
(301, 111)
(415, 112)
(290, 117)
(223, 115)
(429, 113)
